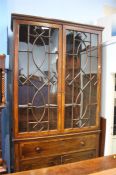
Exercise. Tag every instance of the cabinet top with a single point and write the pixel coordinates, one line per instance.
(23, 17)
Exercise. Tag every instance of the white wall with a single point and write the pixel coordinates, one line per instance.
(74, 10)
(108, 71)
(107, 110)
(77, 10)
(84, 11)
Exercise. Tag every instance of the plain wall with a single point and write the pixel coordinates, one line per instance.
(84, 11)
(108, 83)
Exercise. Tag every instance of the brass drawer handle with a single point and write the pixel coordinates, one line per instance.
(37, 149)
(82, 143)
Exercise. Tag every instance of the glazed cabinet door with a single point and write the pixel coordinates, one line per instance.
(81, 74)
(37, 75)
(57, 70)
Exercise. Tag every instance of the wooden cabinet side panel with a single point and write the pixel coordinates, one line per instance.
(16, 157)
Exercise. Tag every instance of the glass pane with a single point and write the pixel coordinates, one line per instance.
(80, 79)
(38, 78)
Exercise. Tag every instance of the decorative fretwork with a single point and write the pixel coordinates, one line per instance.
(81, 79)
(38, 55)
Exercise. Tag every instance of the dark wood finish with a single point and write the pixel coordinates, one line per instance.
(39, 154)
(44, 149)
(2, 81)
(77, 156)
(96, 165)
(40, 19)
(102, 135)
(41, 146)
(56, 160)
(40, 162)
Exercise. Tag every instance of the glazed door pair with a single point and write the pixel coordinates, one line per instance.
(55, 78)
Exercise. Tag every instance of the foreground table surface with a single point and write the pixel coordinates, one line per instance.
(92, 166)
(106, 172)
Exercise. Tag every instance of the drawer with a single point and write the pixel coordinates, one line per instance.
(77, 156)
(40, 163)
(56, 160)
(57, 146)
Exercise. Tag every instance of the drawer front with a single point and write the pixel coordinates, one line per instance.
(40, 163)
(77, 156)
(56, 160)
(57, 146)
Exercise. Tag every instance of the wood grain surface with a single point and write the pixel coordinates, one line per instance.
(98, 166)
